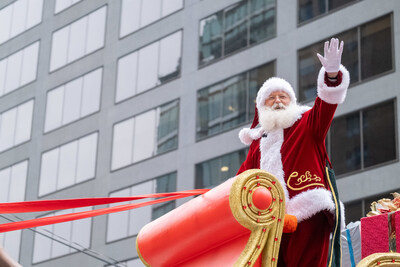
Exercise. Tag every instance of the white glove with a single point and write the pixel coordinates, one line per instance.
(332, 55)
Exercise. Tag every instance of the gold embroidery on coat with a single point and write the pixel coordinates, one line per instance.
(305, 178)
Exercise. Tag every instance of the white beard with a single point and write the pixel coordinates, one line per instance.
(272, 119)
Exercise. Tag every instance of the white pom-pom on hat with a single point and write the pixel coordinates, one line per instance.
(272, 85)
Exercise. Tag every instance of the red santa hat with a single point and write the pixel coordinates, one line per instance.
(272, 85)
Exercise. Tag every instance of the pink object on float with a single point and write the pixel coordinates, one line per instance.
(262, 198)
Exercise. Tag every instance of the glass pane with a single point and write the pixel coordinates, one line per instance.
(7, 129)
(117, 226)
(18, 182)
(257, 77)
(34, 13)
(5, 22)
(262, 25)
(59, 48)
(54, 108)
(42, 244)
(167, 137)
(310, 8)
(86, 165)
(48, 172)
(122, 144)
(350, 50)
(148, 67)
(166, 183)
(72, 100)
(140, 217)
(208, 173)
(144, 136)
(3, 70)
(96, 29)
(234, 102)
(209, 103)
(235, 28)
(61, 5)
(81, 229)
(338, 3)
(29, 63)
(62, 230)
(376, 47)
(126, 77)
(170, 57)
(170, 6)
(353, 212)
(13, 72)
(211, 38)
(5, 175)
(151, 11)
(309, 67)
(230, 164)
(77, 36)
(67, 165)
(379, 134)
(345, 143)
(19, 17)
(91, 92)
(12, 241)
(161, 210)
(130, 15)
(24, 123)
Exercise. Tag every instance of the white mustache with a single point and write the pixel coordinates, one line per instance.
(278, 106)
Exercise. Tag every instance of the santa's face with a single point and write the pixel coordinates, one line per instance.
(277, 100)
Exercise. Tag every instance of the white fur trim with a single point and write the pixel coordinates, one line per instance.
(271, 85)
(343, 218)
(247, 135)
(333, 95)
(309, 203)
(271, 160)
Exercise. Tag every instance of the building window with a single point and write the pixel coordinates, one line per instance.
(367, 53)
(16, 125)
(68, 164)
(367, 144)
(217, 170)
(237, 26)
(18, 69)
(136, 14)
(73, 100)
(74, 235)
(128, 223)
(149, 66)
(64, 4)
(355, 210)
(18, 17)
(78, 39)
(145, 135)
(13, 182)
(227, 104)
(309, 9)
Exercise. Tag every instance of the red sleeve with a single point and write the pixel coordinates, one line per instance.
(253, 158)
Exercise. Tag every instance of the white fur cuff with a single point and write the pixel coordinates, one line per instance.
(247, 135)
(333, 95)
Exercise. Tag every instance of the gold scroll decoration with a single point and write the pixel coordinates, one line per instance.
(265, 225)
(391, 259)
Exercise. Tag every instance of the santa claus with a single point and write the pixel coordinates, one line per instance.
(290, 144)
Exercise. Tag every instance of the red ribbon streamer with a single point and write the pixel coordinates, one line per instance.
(48, 205)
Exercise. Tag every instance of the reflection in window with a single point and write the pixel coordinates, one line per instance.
(64, 4)
(12, 189)
(73, 100)
(367, 144)
(16, 125)
(215, 171)
(229, 103)
(68, 164)
(136, 14)
(309, 9)
(18, 69)
(145, 135)
(375, 41)
(149, 66)
(18, 17)
(78, 39)
(236, 27)
(75, 233)
(128, 223)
